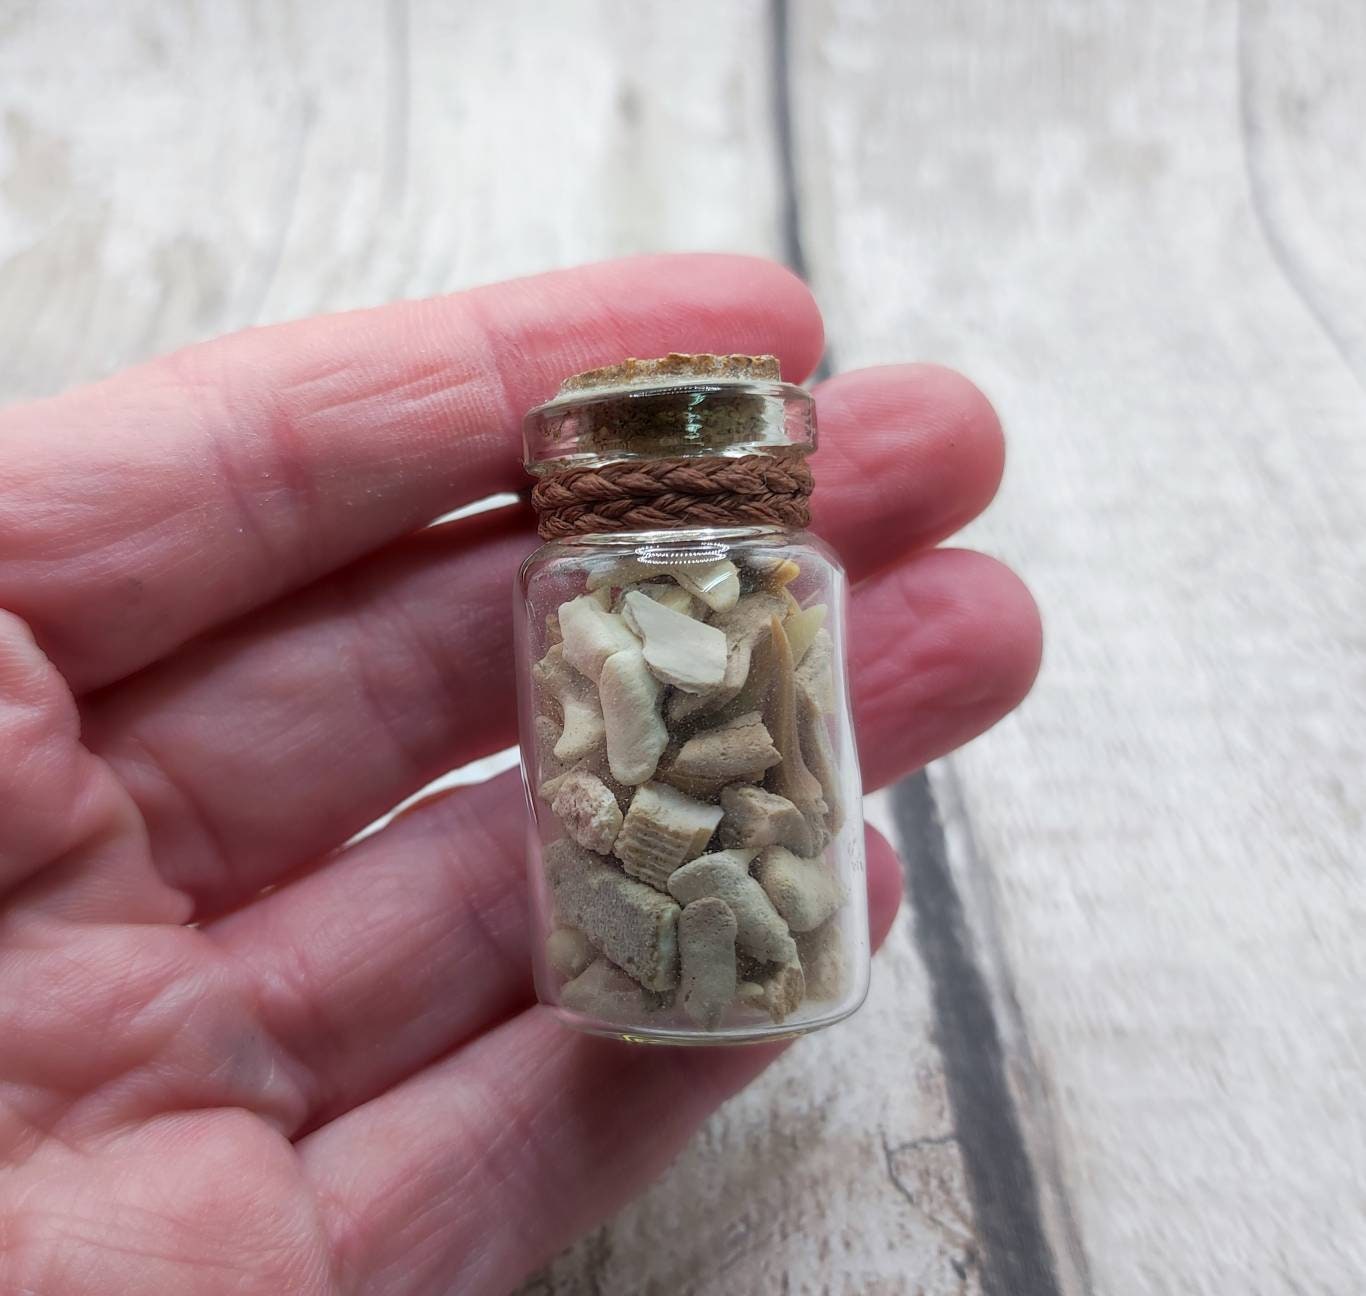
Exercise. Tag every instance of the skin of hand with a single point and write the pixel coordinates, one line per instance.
(236, 1054)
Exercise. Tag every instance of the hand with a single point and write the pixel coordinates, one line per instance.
(227, 650)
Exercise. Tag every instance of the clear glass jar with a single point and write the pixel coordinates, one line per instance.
(695, 846)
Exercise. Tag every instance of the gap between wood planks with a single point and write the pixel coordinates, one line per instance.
(1013, 1248)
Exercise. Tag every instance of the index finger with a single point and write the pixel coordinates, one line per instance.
(138, 512)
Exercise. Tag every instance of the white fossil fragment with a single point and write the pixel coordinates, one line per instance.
(588, 811)
(671, 595)
(603, 990)
(757, 818)
(684, 652)
(804, 891)
(662, 830)
(592, 635)
(761, 932)
(582, 728)
(745, 627)
(741, 748)
(630, 698)
(568, 951)
(802, 628)
(632, 923)
(706, 950)
(716, 583)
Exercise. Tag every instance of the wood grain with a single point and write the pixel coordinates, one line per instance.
(1140, 229)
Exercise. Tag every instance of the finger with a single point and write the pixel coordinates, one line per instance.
(250, 465)
(360, 960)
(478, 1170)
(908, 454)
(293, 729)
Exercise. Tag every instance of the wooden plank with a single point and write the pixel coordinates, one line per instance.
(1140, 229)
(220, 164)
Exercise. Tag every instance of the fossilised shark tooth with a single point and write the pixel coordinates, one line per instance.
(804, 891)
(819, 755)
(568, 951)
(737, 749)
(632, 923)
(689, 654)
(789, 778)
(802, 628)
(757, 818)
(706, 951)
(583, 727)
(663, 829)
(630, 698)
(760, 930)
(816, 674)
(588, 811)
(592, 635)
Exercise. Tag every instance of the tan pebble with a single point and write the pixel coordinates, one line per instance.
(754, 817)
(582, 728)
(568, 951)
(706, 947)
(587, 810)
(663, 829)
(804, 891)
(761, 932)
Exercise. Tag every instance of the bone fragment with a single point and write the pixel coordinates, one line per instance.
(706, 948)
(774, 572)
(824, 962)
(717, 583)
(761, 931)
(689, 654)
(790, 777)
(633, 924)
(603, 990)
(819, 755)
(754, 817)
(568, 951)
(817, 671)
(592, 635)
(587, 810)
(704, 787)
(802, 628)
(663, 829)
(636, 736)
(737, 749)
(745, 626)
(778, 991)
(804, 891)
(583, 727)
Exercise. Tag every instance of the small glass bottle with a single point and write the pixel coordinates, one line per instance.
(696, 842)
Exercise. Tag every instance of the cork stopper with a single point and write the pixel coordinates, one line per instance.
(672, 368)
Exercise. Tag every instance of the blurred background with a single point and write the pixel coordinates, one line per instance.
(1116, 1042)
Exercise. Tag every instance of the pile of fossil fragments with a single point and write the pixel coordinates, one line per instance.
(684, 756)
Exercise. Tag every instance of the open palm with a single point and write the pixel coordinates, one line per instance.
(237, 1055)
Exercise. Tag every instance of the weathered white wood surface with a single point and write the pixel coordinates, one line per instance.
(1142, 231)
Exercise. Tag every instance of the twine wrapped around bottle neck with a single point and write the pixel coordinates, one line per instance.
(741, 466)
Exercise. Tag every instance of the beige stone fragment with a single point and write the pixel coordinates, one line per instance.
(817, 672)
(741, 748)
(804, 891)
(663, 829)
(592, 635)
(582, 727)
(761, 932)
(781, 991)
(825, 964)
(587, 810)
(568, 951)
(678, 649)
(630, 698)
(604, 990)
(754, 817)
(706, 949)
(632, 923)
(802, 628)
(672, 595)
(716, 583)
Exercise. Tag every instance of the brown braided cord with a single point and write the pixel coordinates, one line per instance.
(661, 494)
